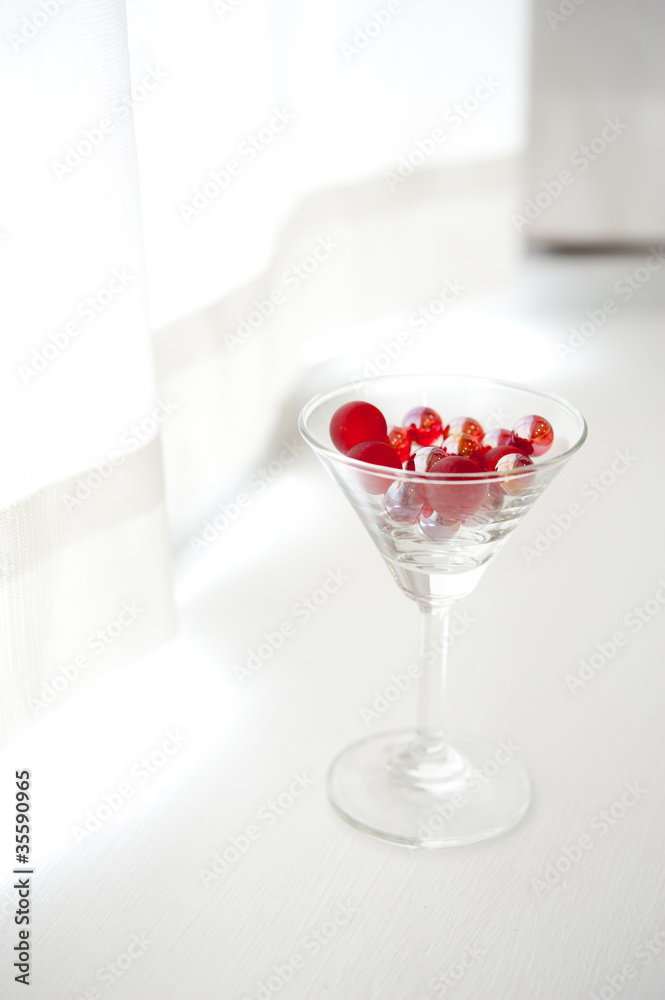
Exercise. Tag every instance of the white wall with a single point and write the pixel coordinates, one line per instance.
(595, 60)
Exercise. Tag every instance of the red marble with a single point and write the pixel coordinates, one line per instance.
(464, 445)
(456, 498)
(464, 425)
(355, 423)
(424, 458)
(491, 457)
(423, 424)
(375, 453)
(496, 437)
(398, 438)
(518, 484)
(533, 434)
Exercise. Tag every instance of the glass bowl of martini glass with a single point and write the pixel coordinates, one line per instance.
(440, 469)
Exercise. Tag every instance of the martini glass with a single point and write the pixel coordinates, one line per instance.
(430, 787)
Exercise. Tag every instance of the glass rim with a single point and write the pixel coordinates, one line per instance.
(407, 475)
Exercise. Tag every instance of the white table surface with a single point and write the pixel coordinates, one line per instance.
(403, 917)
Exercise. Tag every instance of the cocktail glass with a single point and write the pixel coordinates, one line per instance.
(429, 787)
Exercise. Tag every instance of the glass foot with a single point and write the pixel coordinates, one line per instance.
(487, 791)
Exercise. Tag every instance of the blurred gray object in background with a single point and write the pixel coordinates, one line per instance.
(593, 61)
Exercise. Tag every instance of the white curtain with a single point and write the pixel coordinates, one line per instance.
(83, 529)
(305, 172)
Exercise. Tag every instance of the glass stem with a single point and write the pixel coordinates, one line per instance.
(429, 762)
(434, 642)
